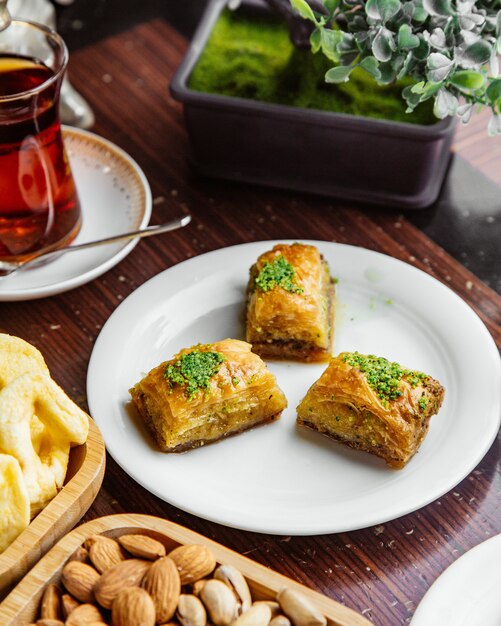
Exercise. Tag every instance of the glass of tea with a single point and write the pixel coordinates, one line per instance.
(39, 206)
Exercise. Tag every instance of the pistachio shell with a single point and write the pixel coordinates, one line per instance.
(299, 609)
(237, 583)
(274, 606)
(191, 611)
(220, 602)
(257, 615)
(280, 620)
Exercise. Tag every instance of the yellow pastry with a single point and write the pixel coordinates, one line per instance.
(205, 393)
(290, 304)
(14, 501)
(43, 467)
(372, 404)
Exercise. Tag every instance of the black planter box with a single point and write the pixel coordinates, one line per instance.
(345, 156)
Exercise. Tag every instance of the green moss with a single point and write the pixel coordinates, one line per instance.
(253, 58)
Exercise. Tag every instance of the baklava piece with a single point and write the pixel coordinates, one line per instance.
(290, 304)
(205, 393)
(372, 404)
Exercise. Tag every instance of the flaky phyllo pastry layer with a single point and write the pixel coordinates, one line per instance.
(290, 304)
(372, 404)
(205, 393)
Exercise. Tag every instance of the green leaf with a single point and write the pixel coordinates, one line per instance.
(329, 42)
(422, 51)
(439, 67)
(383, 45)
(304, 9)
(494, 127)
(445, 104)
(478, 53)
(418, 87)
(316, 40)
(405, 67)
(406, 39)
(493, 91)
(382, 10)
(468, 80)
(339, 74)
(371, 65)
(419, 15)
(412, 99)
(331, 5)
(388, 74)
(438, 7)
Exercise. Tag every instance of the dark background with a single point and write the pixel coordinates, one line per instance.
(466, 221)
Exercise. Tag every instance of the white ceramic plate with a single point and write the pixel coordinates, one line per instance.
(115, 198)
(467, 593)
(279, 478)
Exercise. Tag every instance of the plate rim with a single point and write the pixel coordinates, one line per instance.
(326, 528)
(422, 611)
(34, 293)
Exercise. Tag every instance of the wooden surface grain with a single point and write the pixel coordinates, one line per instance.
(383, 571)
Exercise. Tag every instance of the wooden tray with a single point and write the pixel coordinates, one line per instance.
(22, 605)
(83, 480)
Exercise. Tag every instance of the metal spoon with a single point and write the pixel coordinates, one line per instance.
(9, 267)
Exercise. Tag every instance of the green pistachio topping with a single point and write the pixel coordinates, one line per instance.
(235, 380)
(423, 401)
(194, 371)
(382, 375)
(279, 273)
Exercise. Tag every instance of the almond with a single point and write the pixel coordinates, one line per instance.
(69, 604)
(51, 603)
(142, 546)
(81, 555)
(84, 615)
(79, 579)
(128, 573)
(91, 540)
(163, 584)
(104, 553)
(133, 607)
(193, 562)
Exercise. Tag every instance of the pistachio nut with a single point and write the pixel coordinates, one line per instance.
(196, 588)
(280, 620)
(257, 615)
(274, 606)
(237, 583)
(299, 609)
(191, 611)
(220, 602)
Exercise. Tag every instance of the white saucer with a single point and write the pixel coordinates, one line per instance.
(467, 593)
(115, 198)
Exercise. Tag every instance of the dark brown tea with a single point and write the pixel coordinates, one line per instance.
(39, 206)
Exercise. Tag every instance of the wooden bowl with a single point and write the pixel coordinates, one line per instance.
(22, 605)
(83, 480)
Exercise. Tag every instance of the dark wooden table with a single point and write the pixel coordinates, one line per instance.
(382, 571)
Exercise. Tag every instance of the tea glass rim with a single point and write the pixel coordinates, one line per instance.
(57, 73)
